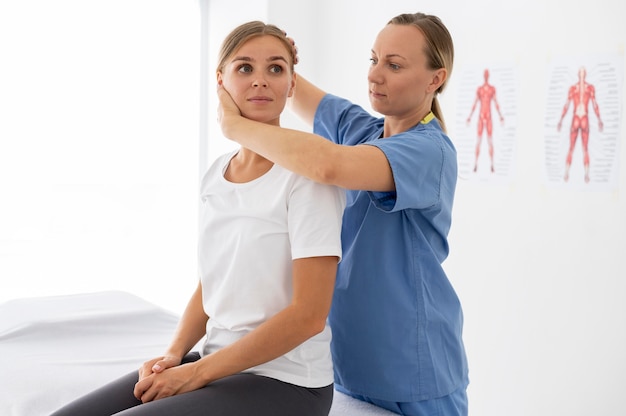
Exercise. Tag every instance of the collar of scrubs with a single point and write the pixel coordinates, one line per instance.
(429, 117)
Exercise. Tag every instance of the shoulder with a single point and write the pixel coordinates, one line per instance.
(422, 150)
(302, 188)
(344, 122)
(216, 169)
(333, 106)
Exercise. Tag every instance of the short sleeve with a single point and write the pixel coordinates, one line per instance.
(345, 123)
(423, 164)
(315, 214)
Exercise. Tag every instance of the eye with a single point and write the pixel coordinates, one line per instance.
(276, 69)
(394, 67)
(246, 68)
(373, 61)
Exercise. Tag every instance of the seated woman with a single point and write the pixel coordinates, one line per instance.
(269, 244)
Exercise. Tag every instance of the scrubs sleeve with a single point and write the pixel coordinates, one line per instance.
(343, 122)
(424, 170)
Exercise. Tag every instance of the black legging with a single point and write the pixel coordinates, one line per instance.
(237, 395)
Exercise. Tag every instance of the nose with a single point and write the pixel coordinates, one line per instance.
(259, 83)
(373, 75)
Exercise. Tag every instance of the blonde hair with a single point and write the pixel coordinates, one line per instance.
(439, 49)
(242, 33)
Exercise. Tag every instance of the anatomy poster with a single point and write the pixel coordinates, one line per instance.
(582, 122)
(486, 122)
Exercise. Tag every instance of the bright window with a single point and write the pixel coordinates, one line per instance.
(99, 128)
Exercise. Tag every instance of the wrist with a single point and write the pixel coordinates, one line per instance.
(174, 354)
(202, 371)
(232, 123)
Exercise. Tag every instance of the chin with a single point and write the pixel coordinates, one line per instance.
(252, 116)
(377, 107)
(261, 118)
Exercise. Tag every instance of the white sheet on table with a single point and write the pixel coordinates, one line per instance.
(54, 349)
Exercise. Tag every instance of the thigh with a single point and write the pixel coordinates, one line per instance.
(110, 398)
(105, 401)
(242, 394)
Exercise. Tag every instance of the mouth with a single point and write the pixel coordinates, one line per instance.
(375, 94)
(260, 99)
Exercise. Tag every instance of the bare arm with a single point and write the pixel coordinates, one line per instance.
(351, 167)
(313, 283)
(191, 328)
(305, 99)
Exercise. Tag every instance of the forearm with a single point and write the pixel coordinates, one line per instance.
(277, 336)
(191, 327)
(272, 339)
(304, 153)
(305, 100)
(307, 154)
(304, 317)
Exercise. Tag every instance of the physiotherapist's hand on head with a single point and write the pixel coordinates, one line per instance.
(226, 109)
(296, 58)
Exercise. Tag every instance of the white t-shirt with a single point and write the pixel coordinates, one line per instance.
(249, 235)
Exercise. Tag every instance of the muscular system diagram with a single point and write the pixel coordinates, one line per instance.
(580, 95)
(485, 97)
(582, 122)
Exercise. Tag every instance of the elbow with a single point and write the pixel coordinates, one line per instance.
(317, 326)
(313, 325)
(326, 175)
(327, 170)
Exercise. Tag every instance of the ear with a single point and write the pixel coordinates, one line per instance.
(293, 85)
(219, 77)
(439, 77)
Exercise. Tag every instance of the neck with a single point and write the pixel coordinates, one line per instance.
(247, 166)
(246, 157)
(395, 125)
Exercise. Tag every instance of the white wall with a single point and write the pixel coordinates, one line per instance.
(541, 272)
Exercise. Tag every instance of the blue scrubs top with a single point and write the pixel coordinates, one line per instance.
(396, 319)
